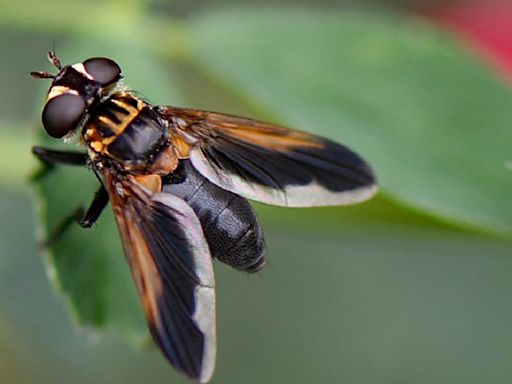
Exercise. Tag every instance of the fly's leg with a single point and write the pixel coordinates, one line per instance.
(51, 157)
(95, 209)
(84, 219)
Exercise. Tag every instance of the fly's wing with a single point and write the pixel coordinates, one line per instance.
(172, 268)
(269, 163)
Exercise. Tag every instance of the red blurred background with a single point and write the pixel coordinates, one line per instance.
(484, 26)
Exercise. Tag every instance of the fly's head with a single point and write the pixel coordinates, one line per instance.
(74, 89)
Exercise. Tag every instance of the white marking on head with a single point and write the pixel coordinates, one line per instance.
(58, 90)
(79, 67)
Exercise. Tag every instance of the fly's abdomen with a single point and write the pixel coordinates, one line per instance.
(229, 223)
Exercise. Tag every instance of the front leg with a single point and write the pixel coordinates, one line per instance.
(85, 220)
(50, 157)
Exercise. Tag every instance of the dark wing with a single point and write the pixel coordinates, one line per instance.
(229, 223)
(269, 163)
(172, 268)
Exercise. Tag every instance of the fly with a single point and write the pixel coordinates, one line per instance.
(177, 180)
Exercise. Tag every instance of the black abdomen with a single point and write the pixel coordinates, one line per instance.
(228, 220)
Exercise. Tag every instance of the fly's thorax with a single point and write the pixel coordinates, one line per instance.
(127, 131)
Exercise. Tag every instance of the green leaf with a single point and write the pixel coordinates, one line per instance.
(15, 167)
(90, 17)
(433, 122)
(88, 266)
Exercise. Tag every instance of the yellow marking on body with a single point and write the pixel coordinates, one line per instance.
(58, 90)
(109, 123)
(97, 146)
(127, 106)
(151, 182)
(182, 147)
(94, 139)
(102, 144)
(125, 119)
(93, 136)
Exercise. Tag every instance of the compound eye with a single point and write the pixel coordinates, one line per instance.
(62, 114)
(103, 70)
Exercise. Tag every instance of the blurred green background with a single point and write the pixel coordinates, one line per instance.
(411, 287)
